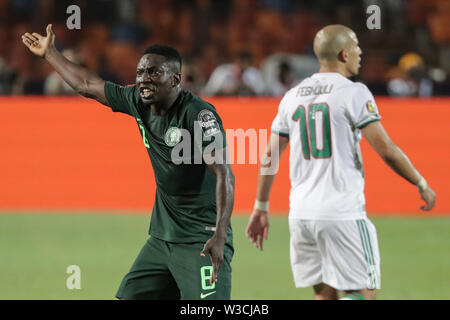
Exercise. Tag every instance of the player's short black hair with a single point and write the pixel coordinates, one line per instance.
(171, 54)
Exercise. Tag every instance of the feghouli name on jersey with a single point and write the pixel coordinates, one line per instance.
(316, 90)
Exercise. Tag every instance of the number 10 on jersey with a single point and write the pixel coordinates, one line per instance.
(310, 125)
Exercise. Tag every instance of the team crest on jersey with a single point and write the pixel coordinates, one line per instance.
(172, 136)
(208, 122)
(371, 107)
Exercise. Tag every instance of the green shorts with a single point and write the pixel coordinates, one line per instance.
(173, 271)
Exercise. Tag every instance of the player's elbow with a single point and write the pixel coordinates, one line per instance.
(84, 88)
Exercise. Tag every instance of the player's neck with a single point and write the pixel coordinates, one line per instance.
(162, 108)
(334, 67)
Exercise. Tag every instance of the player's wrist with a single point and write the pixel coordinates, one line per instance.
(49, 52)
(422, 185)
(261, 205)
(220, 235)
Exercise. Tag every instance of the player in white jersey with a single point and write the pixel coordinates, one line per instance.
(333, 245)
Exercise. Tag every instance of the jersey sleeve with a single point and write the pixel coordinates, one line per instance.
(280, 124)
(205, 123)
(363, 109)
(120, 98)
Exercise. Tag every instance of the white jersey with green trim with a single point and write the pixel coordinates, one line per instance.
(323, 117)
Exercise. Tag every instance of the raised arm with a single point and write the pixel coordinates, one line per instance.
(258, 225)
(398, 161)
(80, 79)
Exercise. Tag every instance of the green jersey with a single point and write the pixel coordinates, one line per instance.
(185, 204)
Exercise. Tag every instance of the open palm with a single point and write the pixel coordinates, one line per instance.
(39, 44)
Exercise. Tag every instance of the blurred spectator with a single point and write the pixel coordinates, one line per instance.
(283, 71)
(54, 84)
(28, 71)
(238, 78)
(6, 77)
(190, 79)
(283, 82)
(208, 33)
(121, 62)
(410, 77)
(373, 71)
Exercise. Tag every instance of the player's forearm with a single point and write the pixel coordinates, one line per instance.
(264, 186)
(400, 163)
(269, 166)
(76, 76)
(224, 203)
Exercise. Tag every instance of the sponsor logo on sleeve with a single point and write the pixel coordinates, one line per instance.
(208, 123)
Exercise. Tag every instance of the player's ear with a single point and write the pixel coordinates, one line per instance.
(343, 55)
(176, 79)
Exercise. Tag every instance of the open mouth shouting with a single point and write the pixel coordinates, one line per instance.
(146, 92)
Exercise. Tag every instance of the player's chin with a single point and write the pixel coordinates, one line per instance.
(147, 100)
(355, 71)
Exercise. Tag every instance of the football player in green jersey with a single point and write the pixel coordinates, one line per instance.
(194, 198)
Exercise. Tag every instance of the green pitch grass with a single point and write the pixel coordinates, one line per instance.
(35, 251)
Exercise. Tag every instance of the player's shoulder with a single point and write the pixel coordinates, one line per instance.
(291, 93)
(193, 104)
(357, 87)
(291, 96)
(114, 91)
(130, 87)
(357, 95)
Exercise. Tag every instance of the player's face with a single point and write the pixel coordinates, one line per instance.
(354, 56)
(154, 79)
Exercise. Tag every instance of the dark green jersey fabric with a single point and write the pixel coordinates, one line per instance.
(185, 203)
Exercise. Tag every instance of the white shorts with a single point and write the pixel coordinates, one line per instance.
(340, 253)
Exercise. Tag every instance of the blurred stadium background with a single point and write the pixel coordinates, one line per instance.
(76, 184)
(272, 36)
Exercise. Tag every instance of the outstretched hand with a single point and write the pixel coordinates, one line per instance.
(258, 228)
(39, 44)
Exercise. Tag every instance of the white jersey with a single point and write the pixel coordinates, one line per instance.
(323, 117)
